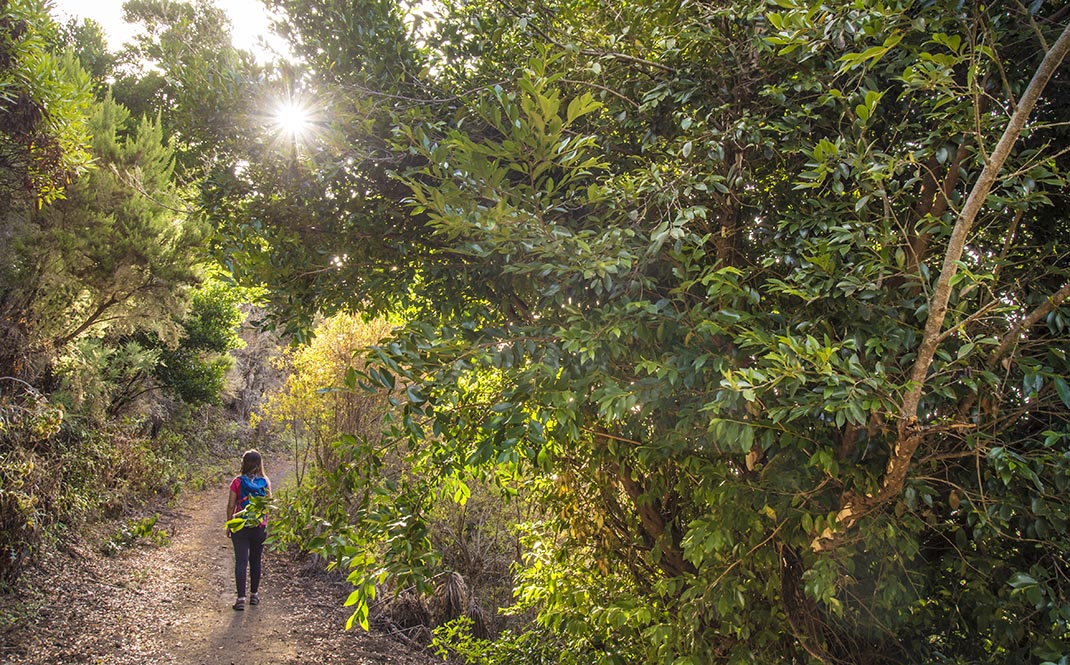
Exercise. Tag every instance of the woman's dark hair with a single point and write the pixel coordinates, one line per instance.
(252, 464)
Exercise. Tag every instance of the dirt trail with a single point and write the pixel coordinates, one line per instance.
(206, 629)
(173, 605)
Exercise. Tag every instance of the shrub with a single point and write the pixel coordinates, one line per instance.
(132, 532)
(55, 476)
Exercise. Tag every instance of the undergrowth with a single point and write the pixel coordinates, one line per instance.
(133, 532)
(59, 472)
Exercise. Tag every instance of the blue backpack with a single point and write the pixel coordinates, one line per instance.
(251, 487)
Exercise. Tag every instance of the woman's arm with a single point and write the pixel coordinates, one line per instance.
(232, 501)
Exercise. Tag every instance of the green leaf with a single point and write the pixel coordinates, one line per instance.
(461, 493)
(1063, 389)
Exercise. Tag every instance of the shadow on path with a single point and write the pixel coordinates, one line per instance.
(173, 605)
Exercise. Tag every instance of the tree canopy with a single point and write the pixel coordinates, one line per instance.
(103, 319)
(710, 277)
(763, 304)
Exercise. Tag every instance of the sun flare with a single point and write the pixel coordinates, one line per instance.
(293, 120)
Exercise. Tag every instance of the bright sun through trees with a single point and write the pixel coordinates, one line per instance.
(600, 332)
(293, 120)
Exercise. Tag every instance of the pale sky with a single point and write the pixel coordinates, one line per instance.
(248, 22)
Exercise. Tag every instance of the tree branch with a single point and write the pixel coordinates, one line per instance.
(908, 413)
(933, 201)
(1015, 333)
(62, 341)
(652, 522)
(909, 435)
(603, 88)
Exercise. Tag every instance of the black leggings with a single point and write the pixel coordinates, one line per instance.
(248, 548)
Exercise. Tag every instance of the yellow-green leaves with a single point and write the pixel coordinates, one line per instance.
(865, 110)
(252, 515)
(871, 55)
(360, 597)
(581, 106)
(825, 161)
(952, 42)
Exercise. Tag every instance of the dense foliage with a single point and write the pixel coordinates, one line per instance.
(711, 275)
(762, 304)
(106, 325)
(347, 473)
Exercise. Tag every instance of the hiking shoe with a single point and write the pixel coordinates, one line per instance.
(239, 604)
(254, 599)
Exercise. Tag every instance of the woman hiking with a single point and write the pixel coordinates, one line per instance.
(248, 541)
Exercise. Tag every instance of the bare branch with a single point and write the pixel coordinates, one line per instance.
(968, 320)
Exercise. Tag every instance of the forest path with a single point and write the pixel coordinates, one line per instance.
(172, 604)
